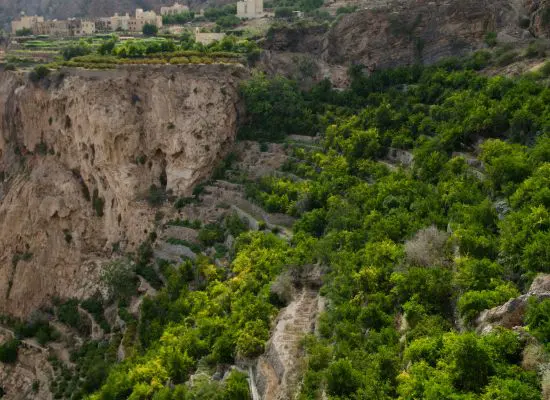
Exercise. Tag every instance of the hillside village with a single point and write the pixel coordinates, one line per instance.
(79, 27)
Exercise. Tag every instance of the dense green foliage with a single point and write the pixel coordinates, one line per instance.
(150, 30)
(8, 351)
(180, 18)
(23, 32)
(205, 316)
(411, 254)
(158, 50)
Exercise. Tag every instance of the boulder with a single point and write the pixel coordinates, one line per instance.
(511, 313)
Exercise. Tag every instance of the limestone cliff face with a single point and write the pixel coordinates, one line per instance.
(83, 143)
(405, 32)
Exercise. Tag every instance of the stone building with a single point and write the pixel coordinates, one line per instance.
(52, 28)
(25, 22)
(81, 27)
(177, 8)
(103, 25)
(120, 22)
(250, 9)
(142, 18)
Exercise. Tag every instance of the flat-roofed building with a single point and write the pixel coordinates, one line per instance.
(120, 22)
(143, 18)
(25, 22)
(52, 28)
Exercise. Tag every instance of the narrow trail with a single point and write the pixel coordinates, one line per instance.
(278, 370)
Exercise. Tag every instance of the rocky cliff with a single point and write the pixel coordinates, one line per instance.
(78, 153)
(405, 32)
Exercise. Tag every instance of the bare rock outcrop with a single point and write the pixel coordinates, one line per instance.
(29, 377)
(397, 33)
(78, 154)
(511, 313)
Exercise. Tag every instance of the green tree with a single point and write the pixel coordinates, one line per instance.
(8, 351)
(150, 30)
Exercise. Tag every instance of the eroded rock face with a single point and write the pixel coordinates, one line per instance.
(83, 143)
(397, 33)
(420, 31)
(511, 313)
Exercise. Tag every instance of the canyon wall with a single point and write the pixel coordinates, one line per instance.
(397, 33)
(79, 151)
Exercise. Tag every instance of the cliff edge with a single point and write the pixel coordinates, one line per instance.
(79, 152)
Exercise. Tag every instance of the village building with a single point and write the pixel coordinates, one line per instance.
(250, 9)
(143, 18)
(120, 22)
(85, 27)
(25, 22)
(81, 27)
(175, 9)
(51, 28)
(103, 25)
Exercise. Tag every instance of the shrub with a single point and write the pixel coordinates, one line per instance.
(427, 248)
(524, 21)
(8, 351)
(535, 49)
(68, 314)
(545, 69)
(538, 319)
(473, 302)
(280, 292)
(23, 32)
(346, 10)
(107, 47)
(283, 12)
(41, 148)
(39, 73)
(150, 30)
(182, 202)
(75, 51)
(342, 378)
(506, 58)
(211, 234)
(491, 39)
(235, 224)
(119, 277)
(156, 196)
(228, 21)
(98, 203)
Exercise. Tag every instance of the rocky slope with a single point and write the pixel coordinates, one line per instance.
(78, 154)
(403, 32)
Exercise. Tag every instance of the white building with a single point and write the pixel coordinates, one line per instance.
(250, 9)
(177, 8)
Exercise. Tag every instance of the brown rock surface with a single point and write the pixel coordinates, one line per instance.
(114, 133)
(389, 34)
(511, 313)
